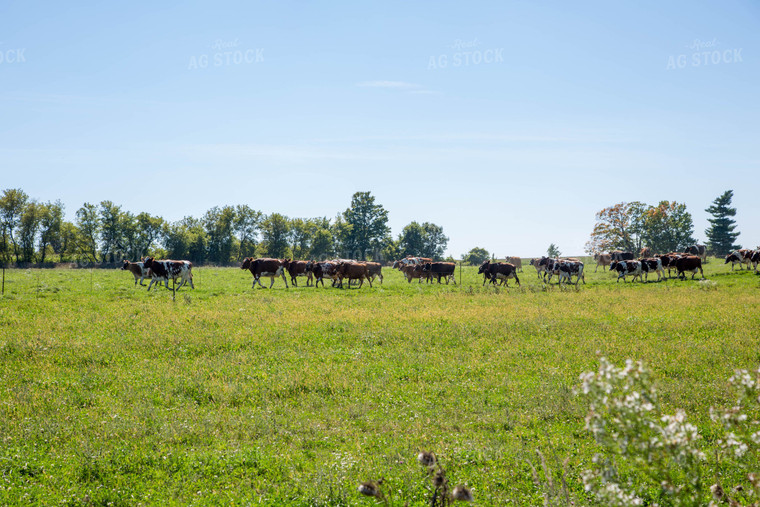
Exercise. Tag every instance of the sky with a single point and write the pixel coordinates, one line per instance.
(510, 124)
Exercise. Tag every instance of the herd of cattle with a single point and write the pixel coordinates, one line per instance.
(421, 268)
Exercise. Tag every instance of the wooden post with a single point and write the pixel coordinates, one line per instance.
(3, 278)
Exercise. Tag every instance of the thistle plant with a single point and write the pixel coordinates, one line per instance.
(441, 494)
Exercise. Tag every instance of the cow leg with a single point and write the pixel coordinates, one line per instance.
(517, 279)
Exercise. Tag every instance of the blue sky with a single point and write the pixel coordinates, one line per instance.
(510, 124)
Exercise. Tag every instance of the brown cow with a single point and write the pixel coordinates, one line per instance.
(298, 268)
(411, 271)
(137, 269)
(536, 263)
(602, 260)
(517, 261)
(266, 267)
(375, 270)
(353, 271)
(691, 263)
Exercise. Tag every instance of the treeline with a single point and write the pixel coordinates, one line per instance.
(665, 227)
(36, 232)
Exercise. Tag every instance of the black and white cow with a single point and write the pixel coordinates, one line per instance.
(162, 270)
(568, 269)
(652, 264)
(625, 268)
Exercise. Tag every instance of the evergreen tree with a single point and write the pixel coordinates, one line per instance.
(720, 234)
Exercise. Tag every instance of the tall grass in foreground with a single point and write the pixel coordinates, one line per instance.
(294, 397)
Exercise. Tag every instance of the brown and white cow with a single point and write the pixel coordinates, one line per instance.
(669, 261)
(410, 261)
(322, 270)
(138, 269)
(298, 268)
(162, 270)
(353, 271)
(501, 271)
(741, 257)
(516, 261)
(267, 267)
(437, 270)
(691, 263)
(602, 260)
(652, 264)
(625, 268)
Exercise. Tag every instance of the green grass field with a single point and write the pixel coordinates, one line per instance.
(111, 395)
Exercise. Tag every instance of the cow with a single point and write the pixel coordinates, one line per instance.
(499, 271)
(536, 263)
(322, 270)
(410, 271)
(625, 268)
(602, 260)
(568, 269)
(353, 271)
(755, 259)
(440, 269)
(698, 250)
(741, 257)
(645, 253)
(517, 261)
(618, 255)
(691, 263)
(669, 261)
(270, 268)
(375, 271)
(298, 268)
(410, 261)
(652, 264)
(138, 269)
(164, 269)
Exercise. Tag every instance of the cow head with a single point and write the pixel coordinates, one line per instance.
(484, 266)
(125, 264)
(246, 263)
(732, 257)
(148, 262)
(614, 265)
(427, 267)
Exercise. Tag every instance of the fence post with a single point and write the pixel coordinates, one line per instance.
(3, 279)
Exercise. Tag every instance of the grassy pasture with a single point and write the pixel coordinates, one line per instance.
(230, 395)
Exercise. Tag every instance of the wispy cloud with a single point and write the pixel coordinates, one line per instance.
(396, 85)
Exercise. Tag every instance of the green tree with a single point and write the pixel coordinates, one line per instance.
(476, 256)
(668, 227)
(553, 251)
(110, 230)
(435, 241)
(245, 225)
(150, 230)
(275, 229)
(299, 235)
(617, 227)
(11, 207)
(218, 225)
(186, 240)
(88, 228)
(366, 227)
(720, 234)
(412, 240)
(51, 224)
(322, 244)
(29, 225)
